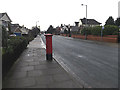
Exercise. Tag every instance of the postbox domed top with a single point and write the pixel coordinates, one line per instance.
(48, 35)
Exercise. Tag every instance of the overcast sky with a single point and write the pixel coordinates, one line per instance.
(56, 12)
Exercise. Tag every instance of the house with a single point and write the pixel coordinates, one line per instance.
(18, 32)
(5, 21)
(24, 31)
(57, 30)
(90, 22)
(16, 28)
(64, 29)
(75, 28)
(13, 27)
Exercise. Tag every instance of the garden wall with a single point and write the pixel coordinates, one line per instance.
(107, 38)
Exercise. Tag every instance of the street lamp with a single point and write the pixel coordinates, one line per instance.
(69, 30)
(102, 32)
(85, 21)
(36, 23)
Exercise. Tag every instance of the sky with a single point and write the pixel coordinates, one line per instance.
(57, 12)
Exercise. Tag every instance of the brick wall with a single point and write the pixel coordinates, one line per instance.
(107, 38)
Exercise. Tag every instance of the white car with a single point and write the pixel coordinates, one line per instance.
(12, 35)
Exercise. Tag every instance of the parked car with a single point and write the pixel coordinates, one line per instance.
(12, 35)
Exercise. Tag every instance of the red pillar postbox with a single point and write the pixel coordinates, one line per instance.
(48, 46)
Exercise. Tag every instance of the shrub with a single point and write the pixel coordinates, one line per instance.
(30, 38)
(15, 47)
(115, 33)
(110, 30)
(74, 32)
(65, 31)
(4, 37)
(86, 30)
(96, 30)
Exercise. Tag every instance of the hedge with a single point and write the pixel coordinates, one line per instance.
(110, 30)
(96, 30)
(15, 47)
(4, 36)
(86, 30)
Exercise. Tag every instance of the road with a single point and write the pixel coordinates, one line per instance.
(94, 64)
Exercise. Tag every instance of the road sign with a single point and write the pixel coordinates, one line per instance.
(102, 27)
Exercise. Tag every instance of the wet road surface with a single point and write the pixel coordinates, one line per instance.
(95, 64)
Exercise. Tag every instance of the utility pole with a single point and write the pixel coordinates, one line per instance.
(85, 22)
(36, 23)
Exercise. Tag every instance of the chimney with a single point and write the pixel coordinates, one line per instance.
(76, 24)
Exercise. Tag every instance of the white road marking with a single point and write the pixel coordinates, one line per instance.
(79, 56)
(42, 43)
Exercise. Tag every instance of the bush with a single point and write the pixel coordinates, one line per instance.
(96, 30)
(87, 30)
(15, 42)
(74, 32)
(108, 30)
(111, 30)
(115, 33)
(30, 38)
(15, 47)
(65, 31)
(4, 37)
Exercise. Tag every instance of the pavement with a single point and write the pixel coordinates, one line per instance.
(32, 70)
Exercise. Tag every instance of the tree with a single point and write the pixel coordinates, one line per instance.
(61, 25)
(35, 31)
(50, 29)
(65, 31)
(117, 22)
(110, 21)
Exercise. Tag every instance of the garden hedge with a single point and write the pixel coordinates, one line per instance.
(110, 30)
(86, 30)
(15, 46)
(96, 30)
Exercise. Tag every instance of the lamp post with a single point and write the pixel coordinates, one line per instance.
(85, 21)
(69, 32)
(36, 23)
(102, 33)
